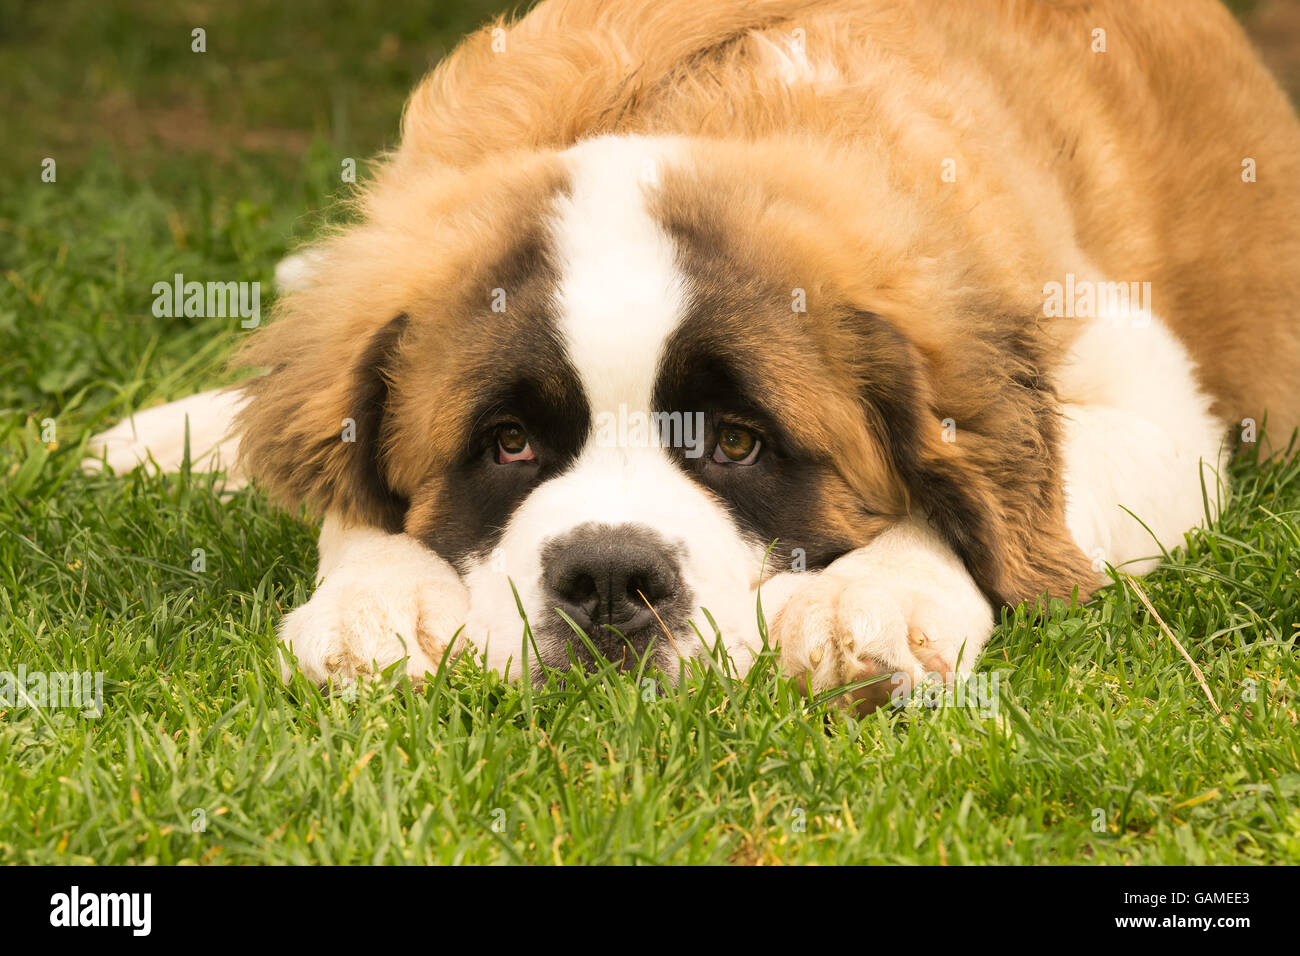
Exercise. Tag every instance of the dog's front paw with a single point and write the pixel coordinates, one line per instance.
(898, 610)
(374, 610)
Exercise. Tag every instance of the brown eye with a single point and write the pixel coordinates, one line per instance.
(736, 445)
(513, 444)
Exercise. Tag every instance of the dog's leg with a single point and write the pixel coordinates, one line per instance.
(901, 608)
(158, 435)
(382, 597)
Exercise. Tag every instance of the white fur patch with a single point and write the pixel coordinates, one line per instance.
(789, 59)
(298, 271)
(1138, 435)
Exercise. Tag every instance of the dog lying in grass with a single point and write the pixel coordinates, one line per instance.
(897, 310)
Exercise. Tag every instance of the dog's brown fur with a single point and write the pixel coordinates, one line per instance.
(429, 258)
(1122, 165)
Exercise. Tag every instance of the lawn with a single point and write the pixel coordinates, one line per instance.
(1104, 745)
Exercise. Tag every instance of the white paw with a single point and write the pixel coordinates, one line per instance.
(389, 599)
(899, 609)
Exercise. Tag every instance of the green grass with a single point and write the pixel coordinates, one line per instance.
(1098, 711)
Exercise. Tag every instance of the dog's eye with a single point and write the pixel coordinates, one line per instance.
(736, 446)
(513, 444)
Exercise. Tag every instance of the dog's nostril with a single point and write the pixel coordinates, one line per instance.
(637, 588)
(582, 588)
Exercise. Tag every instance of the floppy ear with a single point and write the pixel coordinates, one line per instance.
(1006, 523)
(975, 447)
(312, 429)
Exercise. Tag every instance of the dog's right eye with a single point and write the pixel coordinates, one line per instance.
(513, 444)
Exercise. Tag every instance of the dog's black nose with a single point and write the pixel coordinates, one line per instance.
(607, 576)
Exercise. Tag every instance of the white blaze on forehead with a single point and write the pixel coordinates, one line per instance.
(620, 292)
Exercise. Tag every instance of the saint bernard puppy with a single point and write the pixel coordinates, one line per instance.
(895, 310)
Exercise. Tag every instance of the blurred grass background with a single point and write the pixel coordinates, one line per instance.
(276, 76)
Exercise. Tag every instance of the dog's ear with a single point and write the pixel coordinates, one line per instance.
(972, 438)
(1000, 506)
(312, 430)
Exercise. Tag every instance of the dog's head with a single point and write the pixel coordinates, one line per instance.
(635, 377)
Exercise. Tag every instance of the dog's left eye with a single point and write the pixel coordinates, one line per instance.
(736, 446)
(513, 444)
